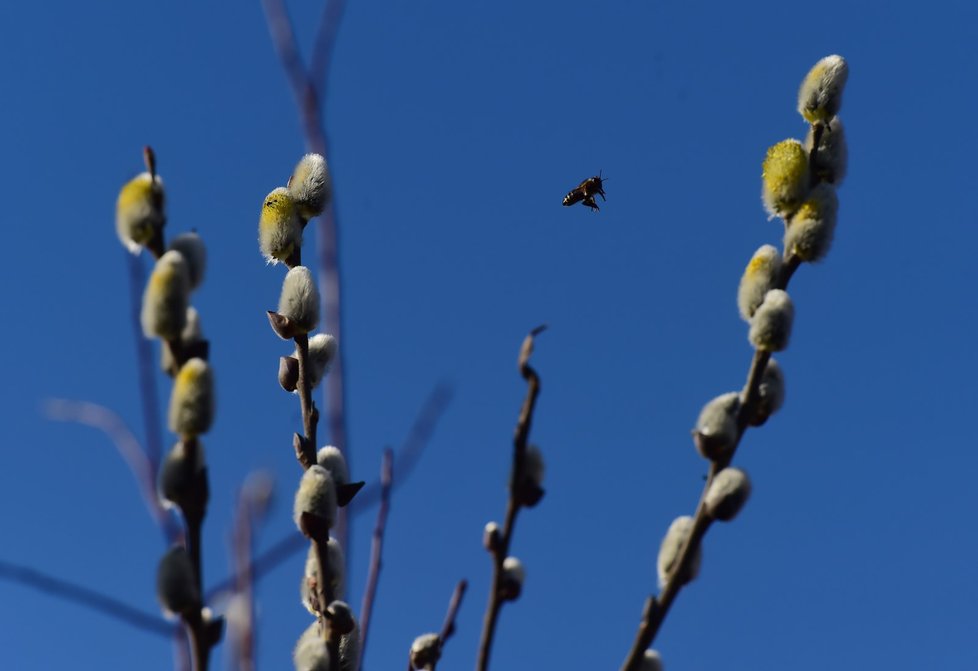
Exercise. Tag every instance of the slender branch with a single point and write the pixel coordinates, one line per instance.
(310, 416)
(656, 608)
(448, 628)
(105, 420)
(85, 596)
(411, 449)
(376, 548)
(501, 550)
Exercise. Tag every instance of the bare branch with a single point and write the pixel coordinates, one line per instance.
(376, 549)
(500, 550)
(84, 596)
(105, 420)
(411, 449)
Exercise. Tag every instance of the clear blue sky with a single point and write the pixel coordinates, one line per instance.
(457, 128)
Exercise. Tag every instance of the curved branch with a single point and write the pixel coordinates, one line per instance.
(84, 596)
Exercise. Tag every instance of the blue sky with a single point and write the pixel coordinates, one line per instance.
(456, 130)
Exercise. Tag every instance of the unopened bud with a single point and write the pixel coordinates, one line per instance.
(716, 433)
(176, 584)
(299, 301)
(673, 543)
(310, 186)
(727, 494)
(322, 353)
(770, 327)
(288, 372)
(650, 661)
(425, 651)
(491, 537)
(315, 503)
(183, 478)
(511, 580)
(340, 617)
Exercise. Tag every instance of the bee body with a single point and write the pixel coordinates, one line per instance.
(585, 193)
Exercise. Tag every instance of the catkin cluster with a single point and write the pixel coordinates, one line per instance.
(332, 641)
(168, 316)
(799, 181)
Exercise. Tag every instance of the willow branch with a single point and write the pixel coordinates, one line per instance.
(376, 549)
(86, 597)
(109, 423)
(656, 608)
(148, 396)
(501, 550)
(448, 627)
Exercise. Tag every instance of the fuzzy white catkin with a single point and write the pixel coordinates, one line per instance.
(820, 94)
(425, 651)
(832, 158)
(330, 458)
(716, 427)
(811, 229)
(164, 311)
(311, 653)
(299, 300)
(760, 276)
(337, 570)
(651, 661)
(513, 570)
(192, 333)
(672, 543)
(176, 586)
(192, 399)
(727, 494)
(770, 327)
(784, 178)
(322, 352)
(310, 186)
(316, 495)
(139, 211)
(279, 227)
(194, 253)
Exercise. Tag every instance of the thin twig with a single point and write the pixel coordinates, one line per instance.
(376, 549)
(85, 596)
(105, 420)
(501, 550)
(411, 449)
(448, 628)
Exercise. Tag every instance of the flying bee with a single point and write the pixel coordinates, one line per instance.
(586, 191)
